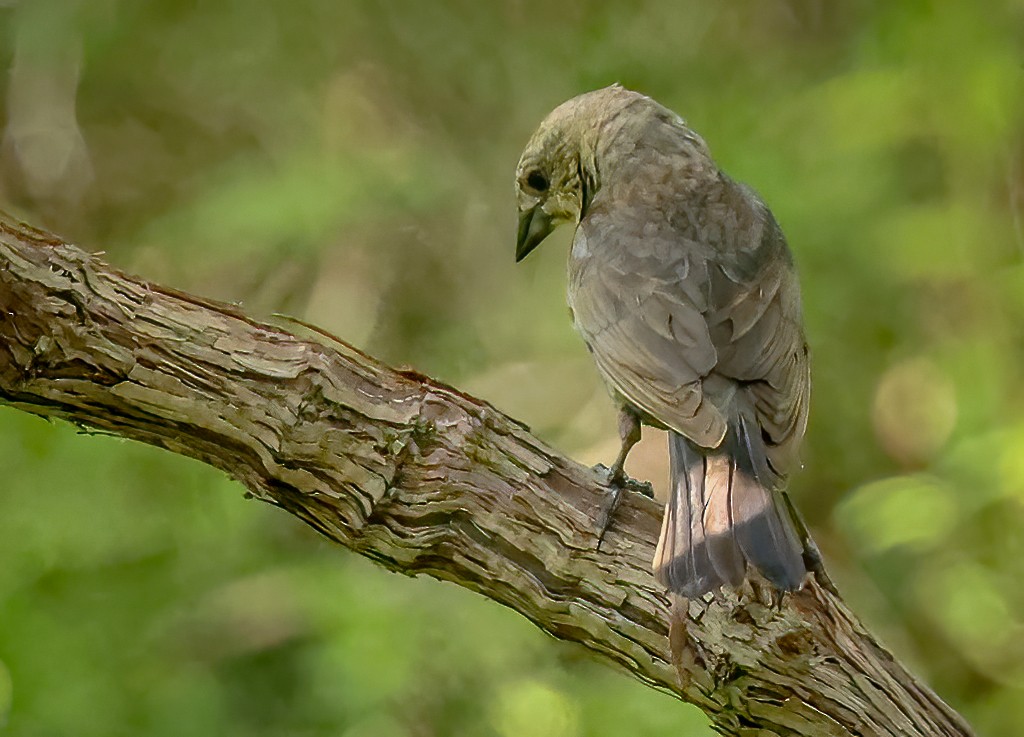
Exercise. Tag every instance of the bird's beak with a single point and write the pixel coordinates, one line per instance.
(534, 226)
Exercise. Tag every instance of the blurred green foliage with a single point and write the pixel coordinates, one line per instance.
(352, 163)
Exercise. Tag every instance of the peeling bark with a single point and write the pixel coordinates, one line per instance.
(425, 479)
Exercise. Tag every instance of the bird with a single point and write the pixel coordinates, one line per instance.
(685, 292)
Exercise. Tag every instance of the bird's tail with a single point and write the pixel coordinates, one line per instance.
(722, 515)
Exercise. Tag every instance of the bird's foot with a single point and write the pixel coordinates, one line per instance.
(617, 477)
(616, 480)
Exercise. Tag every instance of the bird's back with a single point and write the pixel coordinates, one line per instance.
(682, 285)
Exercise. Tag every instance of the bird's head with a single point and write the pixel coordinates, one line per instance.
(558, 175)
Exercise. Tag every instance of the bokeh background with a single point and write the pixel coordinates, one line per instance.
(352, 163)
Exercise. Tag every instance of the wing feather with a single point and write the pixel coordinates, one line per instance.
(681, 328)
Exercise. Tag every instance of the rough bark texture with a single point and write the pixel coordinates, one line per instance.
(424, 479)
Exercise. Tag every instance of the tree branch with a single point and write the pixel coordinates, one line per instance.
(425, 479)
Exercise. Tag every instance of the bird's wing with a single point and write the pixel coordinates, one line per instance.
(691, 339)
(757, 328)
(646, 329)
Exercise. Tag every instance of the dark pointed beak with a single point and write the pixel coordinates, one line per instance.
(534, 226)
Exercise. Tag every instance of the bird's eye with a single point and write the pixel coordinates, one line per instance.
(537, 181)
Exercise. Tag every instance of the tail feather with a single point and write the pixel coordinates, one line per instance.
(722, 516)
(681, 544)
(768, 537)
(719, 518)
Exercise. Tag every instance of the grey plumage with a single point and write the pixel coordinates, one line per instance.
(682, 286)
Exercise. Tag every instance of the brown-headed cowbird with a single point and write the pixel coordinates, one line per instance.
(684, 290)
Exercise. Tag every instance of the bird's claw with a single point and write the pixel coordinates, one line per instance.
(608, 513)
(612, 477)
(616, 480)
